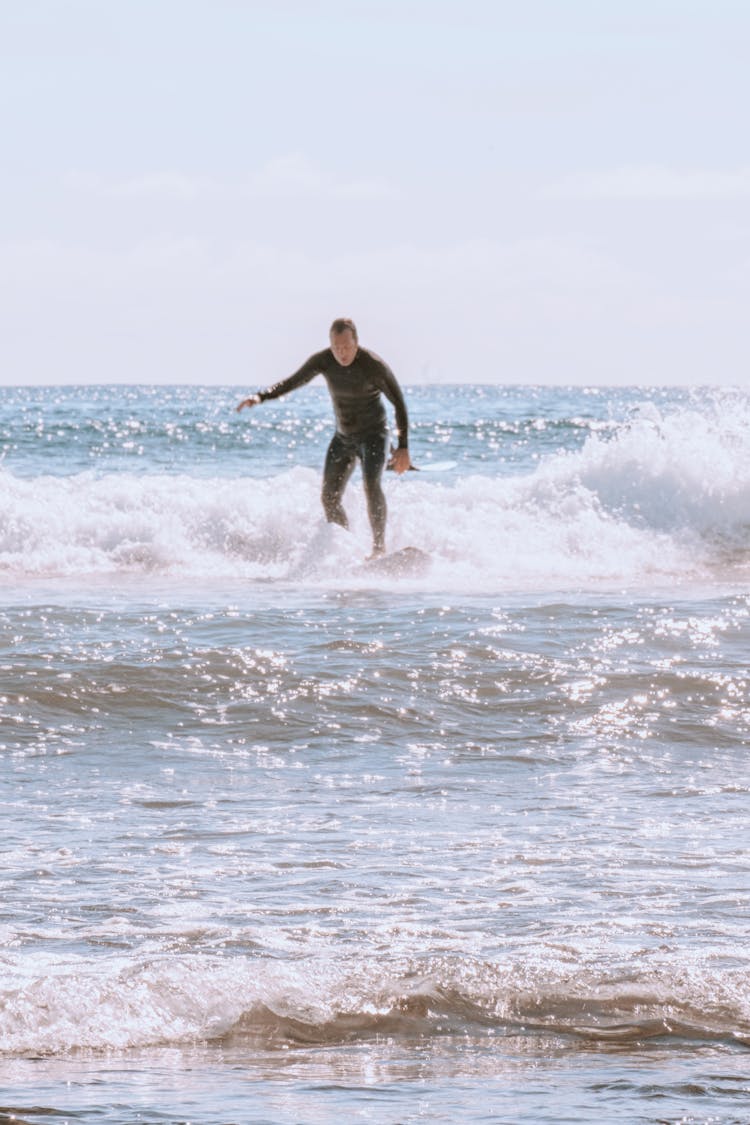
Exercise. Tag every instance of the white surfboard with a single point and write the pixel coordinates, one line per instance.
(436, 466)
(429, 467)
(409, 562)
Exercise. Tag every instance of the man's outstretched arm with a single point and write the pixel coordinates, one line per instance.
(307, 371)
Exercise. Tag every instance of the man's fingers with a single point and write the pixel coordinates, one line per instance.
(252, 401)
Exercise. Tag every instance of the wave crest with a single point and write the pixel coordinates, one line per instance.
(660, 497)
(224, 1002)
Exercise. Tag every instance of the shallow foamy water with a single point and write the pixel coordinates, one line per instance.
(284, 841)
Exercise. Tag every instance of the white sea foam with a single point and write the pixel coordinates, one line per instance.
(115, 1004)
(661, 499)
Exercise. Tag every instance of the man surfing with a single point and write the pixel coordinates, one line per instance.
(356, 380)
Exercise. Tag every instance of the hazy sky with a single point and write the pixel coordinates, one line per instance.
(550, 191)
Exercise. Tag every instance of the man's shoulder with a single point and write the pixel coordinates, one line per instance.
(321, 361)
(372, 360)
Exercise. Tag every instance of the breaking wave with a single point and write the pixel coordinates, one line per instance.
(209, 1000)
(659, 498)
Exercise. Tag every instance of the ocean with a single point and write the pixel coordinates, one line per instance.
(288, 841)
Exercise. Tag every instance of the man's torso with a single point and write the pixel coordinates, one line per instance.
(355, 391)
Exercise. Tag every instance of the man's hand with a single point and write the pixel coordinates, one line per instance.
(400, 460)
(252, 401)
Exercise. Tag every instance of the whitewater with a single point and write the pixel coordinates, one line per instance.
(285, 840)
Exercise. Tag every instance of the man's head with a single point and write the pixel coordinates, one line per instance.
(344, 343)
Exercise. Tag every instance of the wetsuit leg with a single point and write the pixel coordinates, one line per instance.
(372, 455)
(339, 466)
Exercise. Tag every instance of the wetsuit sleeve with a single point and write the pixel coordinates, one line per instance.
(309, 369)
(392, 392)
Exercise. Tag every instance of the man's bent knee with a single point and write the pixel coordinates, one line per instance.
(334, 513)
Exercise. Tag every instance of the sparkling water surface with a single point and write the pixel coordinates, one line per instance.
(286, 841)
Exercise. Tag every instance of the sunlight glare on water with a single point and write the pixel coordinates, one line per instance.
(285, 839)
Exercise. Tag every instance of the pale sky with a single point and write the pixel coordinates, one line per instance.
(544, 191)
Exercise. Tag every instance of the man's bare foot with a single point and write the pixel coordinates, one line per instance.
(377, 553)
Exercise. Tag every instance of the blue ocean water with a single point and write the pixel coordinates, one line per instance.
(286, 840)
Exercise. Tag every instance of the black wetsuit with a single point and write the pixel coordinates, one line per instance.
(361, 427)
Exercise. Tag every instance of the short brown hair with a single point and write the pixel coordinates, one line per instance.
(343, 324)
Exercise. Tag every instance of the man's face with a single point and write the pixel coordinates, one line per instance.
(344, 346)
